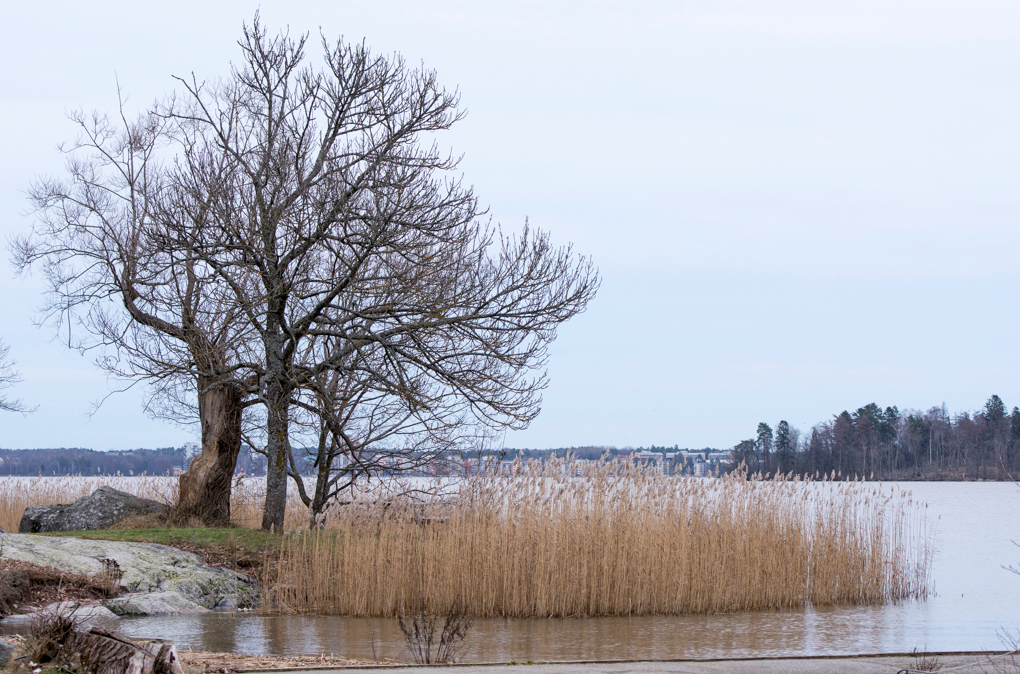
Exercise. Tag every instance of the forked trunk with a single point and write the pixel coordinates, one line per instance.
(205, 487)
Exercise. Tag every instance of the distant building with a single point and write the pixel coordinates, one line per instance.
(191, 450)
(700, 468)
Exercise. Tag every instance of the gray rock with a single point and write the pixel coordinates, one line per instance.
(228, 604)
(154, 603)
(98, 510)
(147, 567)
(7, 647)
(87, 614)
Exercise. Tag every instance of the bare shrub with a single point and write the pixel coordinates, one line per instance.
(51, 641)
(420, 632)
(451, 641)
(925, 662)
(112, 570)
(1009, 661)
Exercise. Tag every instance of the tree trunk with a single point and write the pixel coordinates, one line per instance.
(106, 652)
(276, 470)
(205, 487)
(277, 394)
(325, 462)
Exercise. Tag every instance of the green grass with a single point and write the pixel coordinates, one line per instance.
(254, 539)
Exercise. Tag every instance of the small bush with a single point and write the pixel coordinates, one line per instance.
(420, 632)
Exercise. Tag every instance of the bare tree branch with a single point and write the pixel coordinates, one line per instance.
(8, 378)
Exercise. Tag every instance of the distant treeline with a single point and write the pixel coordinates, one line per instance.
(80, 461)
(890, 444)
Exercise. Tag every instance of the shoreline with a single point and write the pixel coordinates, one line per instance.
(960, 661)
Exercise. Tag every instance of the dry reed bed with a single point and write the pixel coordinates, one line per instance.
(615, 541)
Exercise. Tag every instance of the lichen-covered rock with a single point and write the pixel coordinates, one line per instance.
(100, 509)
(147, 567)
(153, 603)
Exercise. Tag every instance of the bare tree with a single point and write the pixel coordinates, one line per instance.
(8, 378)
(336, 221)
(115, 242)
(358, 429)
(289, 236)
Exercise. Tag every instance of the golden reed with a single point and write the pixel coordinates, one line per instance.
(561, 539)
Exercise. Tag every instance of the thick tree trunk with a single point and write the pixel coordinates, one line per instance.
(205, 487)
(277, 446)
(277, 393)
(277, 390)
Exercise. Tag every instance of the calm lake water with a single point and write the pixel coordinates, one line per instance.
(975, 600)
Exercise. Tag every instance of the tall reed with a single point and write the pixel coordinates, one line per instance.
(613, 540)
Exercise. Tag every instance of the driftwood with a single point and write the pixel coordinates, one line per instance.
(105, 652)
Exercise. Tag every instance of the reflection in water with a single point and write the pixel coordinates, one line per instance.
(807, 632)
(976, 597)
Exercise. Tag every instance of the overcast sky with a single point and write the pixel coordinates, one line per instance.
(796, 207)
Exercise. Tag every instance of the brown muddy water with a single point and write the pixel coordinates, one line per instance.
(976, 600)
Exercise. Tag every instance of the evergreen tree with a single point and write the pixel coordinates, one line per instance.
(764, 445)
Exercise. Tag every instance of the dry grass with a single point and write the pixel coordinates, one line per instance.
(26, 587)
(247, 496)
(614, 541)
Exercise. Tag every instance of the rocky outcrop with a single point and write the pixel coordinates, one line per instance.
(100, 509)
(146, 568)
